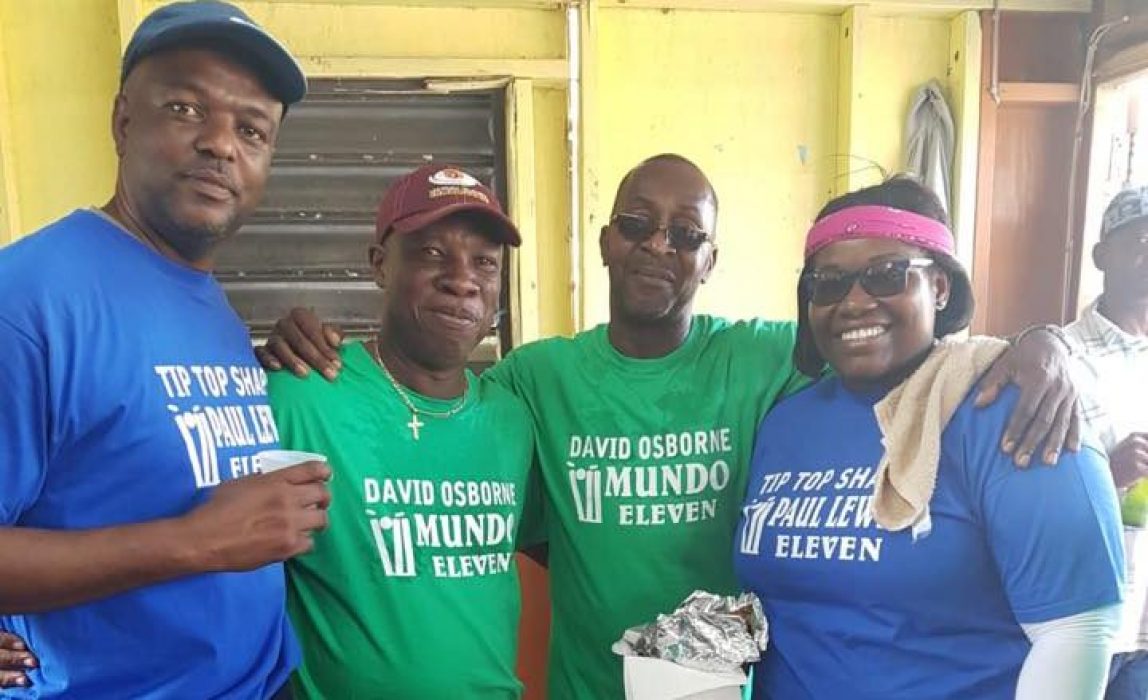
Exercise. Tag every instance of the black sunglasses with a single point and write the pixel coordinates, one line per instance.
(883, 279)
(637, 228)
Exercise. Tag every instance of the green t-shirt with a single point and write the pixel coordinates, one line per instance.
(412, 592)
(644, 464)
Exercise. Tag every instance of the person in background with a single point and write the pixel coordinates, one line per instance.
(1111, 336)
(645, 424)
(898, 553)
(140, 555)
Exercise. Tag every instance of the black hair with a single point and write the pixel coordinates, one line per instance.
(900, 191)
(907, 193)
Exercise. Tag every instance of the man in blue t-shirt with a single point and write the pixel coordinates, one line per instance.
(132, 404)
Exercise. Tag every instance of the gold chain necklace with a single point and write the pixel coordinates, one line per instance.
(415, 424)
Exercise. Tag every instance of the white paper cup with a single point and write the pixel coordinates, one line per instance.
(655, 679)
(269, 461)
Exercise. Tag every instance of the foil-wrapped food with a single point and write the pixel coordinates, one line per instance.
(707, 632)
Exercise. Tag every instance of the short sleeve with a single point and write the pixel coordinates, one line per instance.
(532, 530)
(1054, 531)
(25, 437)
(772, 344)
(291, 400)
(509, 374)
(506, 373)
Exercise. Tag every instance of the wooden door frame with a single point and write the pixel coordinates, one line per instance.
(1050, 95)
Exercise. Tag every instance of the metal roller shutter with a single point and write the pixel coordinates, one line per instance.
(338, 151)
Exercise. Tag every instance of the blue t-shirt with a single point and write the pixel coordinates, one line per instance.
(129, 389)
(862, 613)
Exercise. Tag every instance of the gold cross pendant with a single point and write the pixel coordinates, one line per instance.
(414, 425)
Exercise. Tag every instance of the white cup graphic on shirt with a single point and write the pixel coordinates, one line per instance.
(269, 461)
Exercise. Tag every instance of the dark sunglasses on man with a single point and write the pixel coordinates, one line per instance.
(681, 236)
(884, 279)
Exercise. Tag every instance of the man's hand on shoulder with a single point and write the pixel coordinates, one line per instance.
(302, 342)
(1047, 414)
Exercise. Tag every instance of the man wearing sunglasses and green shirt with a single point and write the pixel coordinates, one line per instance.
(644, 425)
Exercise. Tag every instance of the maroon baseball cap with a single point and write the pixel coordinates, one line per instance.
(434, 192)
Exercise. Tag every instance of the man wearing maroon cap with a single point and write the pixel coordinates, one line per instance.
(412, 592)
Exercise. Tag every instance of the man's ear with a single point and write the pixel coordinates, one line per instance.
(120, 119)
(1100, 256)
(378, 256)
(709, 264)
(602, 243)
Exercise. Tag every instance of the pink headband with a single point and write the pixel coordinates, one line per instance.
(870, 221)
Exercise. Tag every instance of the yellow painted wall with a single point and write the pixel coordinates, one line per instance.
(60, 63)
(900, 54)
(58, 146)
(553, 225)
(753, 98)
(328, 29)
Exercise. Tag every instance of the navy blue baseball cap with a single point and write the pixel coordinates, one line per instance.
(219, 24)
(1131, 205)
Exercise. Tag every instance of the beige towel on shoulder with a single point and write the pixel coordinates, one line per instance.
(912, 418)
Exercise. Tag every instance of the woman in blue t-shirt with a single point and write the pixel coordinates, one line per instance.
(946, 572)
